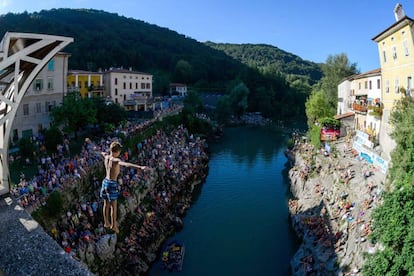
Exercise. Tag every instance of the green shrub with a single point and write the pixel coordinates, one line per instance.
(290, 143)
(314, 135)
(54, 205)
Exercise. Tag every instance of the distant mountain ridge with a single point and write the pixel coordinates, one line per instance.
(104, 40)
(269, 58)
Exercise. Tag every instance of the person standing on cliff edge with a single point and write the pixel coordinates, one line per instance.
(109, 188)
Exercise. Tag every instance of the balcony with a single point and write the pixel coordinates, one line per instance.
(73, 89)
(376, 110)
(96, 88)
(130, 103)
(361, 108)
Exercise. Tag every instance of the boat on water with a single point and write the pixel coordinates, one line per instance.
(173, 256)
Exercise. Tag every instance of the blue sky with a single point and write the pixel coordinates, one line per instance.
(310, 29)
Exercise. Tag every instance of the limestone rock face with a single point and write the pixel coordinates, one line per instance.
(105, 247)
(122, 212)
(89, 254)
(131, 203)
(331, 209)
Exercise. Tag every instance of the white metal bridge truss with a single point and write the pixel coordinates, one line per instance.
(22, 57)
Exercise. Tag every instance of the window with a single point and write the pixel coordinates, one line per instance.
(397, 86)
(26, 109)
(387, 86)
(38, 107)
(405, 48)
(49, 106)
(86, 84)
(51, 65)
(378, 84)
(116, 81)
(384, 56)
(148, 86)
(130, 85)
(142, 85)
(38, 85)
(394, 52)
(116, 91)
(124, 85)
(359, 85)
(136, 85)
(366, 84)
(49, 84)
(370, 85)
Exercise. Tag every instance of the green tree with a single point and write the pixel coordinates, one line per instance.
(402, 118)
(223, 109)
(26, 147)
(393, 221)
(108, 113)
(394, 230)
(183, 72)
(316, 107)
(335, 69)
(75, 113)
(193, 103)
(53, 137)
(265, 99)
(161, 83)
(238, 99)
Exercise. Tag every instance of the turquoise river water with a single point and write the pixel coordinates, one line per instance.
(239, 221)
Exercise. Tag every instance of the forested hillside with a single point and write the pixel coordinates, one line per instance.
(269, 58)
(103, 40)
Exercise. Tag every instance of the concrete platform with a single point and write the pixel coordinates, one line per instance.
(26, 249)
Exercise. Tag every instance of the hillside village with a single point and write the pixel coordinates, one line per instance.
(130, 89)
(366, 100)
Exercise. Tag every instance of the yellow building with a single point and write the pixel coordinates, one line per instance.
(396, 52)
(88, 84)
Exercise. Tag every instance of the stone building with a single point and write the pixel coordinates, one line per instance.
(130, 89)
(45, 92)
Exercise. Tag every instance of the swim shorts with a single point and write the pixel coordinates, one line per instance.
(109, 189)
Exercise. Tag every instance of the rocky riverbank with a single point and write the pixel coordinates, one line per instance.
(151, 202)
(334, 195)
(148, 216)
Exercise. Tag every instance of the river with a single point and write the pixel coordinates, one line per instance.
(239, 221)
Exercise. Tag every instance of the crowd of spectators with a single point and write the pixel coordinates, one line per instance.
(177, 159)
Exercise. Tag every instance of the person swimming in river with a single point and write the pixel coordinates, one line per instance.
(109, 189)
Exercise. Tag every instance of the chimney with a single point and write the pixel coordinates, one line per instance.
(398, 12)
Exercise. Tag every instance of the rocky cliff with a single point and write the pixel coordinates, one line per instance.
(334, 194)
